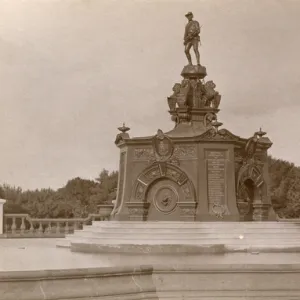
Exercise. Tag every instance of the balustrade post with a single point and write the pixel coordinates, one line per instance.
(40, 230)
(49, 228)
(76, 225)
(67, 228)
(31, 229)
(57, 227)
(6, 225)
(2, 201)
(23, 225)
(13, 226)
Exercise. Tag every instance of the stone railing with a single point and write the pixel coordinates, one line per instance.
(22, 225)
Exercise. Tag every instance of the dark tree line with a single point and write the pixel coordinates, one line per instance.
(79, 197)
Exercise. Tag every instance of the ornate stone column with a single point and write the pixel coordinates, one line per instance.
(260, 211)
(138, 211)
(187, 211)
(2, 201)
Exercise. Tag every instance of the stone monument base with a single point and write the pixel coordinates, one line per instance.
(156, 238)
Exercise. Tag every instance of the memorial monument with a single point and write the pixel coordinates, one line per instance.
(196, 171)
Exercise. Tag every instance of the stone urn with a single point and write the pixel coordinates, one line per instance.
(104, 210)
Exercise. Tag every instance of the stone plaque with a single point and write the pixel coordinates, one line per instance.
(216, 181)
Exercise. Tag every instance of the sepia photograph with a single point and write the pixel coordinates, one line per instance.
(149, 150)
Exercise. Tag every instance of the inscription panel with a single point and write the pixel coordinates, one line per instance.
(216, 164)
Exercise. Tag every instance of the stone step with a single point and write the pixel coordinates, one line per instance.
(105, 224)
(193, 230)
(174, 249)
(186, 235)
(145, 241)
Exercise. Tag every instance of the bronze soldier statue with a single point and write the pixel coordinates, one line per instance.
(192, 38)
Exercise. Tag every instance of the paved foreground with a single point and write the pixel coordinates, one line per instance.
(42, 254)
(34, 269)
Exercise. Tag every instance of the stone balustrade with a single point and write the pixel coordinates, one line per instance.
(22, 225)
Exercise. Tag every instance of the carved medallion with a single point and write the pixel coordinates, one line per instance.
(165, 199)
(163, 146)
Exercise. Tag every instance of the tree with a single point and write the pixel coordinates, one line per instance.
(107, 185)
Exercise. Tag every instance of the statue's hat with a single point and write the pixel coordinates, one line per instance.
(189, 14)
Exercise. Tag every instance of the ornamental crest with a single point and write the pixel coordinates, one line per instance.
(163, 146)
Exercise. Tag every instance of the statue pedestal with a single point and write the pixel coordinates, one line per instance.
(191, 71)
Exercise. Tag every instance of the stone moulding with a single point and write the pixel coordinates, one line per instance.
(138, 211)
(181, 152)
(211, 135)
(220, 135)
(187, 210)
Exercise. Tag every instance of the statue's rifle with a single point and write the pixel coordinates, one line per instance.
(199, 35)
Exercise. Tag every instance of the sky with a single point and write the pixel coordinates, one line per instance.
(72, 71)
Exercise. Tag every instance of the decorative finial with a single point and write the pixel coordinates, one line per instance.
(123, 129)
(260, 133)
(216, 125)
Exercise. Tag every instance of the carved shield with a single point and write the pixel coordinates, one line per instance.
(163, 146)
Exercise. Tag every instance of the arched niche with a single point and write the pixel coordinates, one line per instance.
(249, 190)
(159, 171)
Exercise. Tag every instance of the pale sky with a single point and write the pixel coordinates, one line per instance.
(71, 71)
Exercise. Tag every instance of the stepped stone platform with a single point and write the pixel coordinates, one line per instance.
(184, 237)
